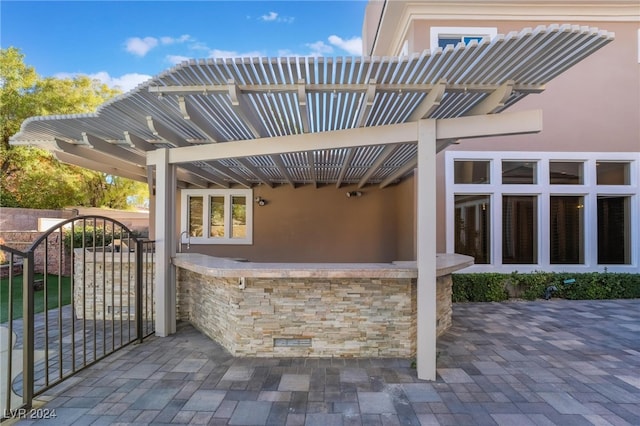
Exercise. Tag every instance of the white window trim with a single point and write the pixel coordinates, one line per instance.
(589, 190)
(436, 32)
(227, 194)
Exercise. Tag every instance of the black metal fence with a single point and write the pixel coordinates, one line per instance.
(80, 292)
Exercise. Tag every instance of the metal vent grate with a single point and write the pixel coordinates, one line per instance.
(278, 343)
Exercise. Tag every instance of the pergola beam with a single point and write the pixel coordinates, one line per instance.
(384, 155)
(137, 142)
(128, 171)
(277, 160)
(312, 168)
(229, 173)
(258, 174)
(96, 156)
(430, 102)
(326, 88)
(205, 175)
(191, 113)
(367, 104)
(181, 175)
(452, 128)
(351, 152)
(494, 101)
(239, 107)
(302, 105)
(107, 148)
(403, 170)
(165, 133)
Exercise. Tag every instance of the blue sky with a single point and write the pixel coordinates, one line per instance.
(125, 42)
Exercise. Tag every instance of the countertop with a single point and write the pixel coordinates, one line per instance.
(446, 263)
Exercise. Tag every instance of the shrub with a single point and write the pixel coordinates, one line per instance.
(479, 288)
(492, 287)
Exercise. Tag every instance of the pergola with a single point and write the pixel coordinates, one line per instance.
(314, 121)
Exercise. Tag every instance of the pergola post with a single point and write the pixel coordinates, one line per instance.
(165, 238)
(426, 251)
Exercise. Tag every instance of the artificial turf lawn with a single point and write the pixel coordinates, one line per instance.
(38, 297)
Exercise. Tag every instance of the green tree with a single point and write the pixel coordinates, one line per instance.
(31, 177)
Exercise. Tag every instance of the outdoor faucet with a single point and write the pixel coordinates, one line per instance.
(180, 241)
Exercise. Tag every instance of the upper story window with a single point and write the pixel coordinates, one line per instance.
(217, 216)
(443, 36)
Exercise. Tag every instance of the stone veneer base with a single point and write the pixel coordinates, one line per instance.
(342, 317)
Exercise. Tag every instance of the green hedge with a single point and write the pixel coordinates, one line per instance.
(492, 287)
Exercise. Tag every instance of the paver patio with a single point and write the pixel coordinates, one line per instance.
(518, 363)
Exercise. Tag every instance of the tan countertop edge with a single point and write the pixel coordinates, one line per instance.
(229, 268)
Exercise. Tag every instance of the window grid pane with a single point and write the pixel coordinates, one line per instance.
(566, 232)
(519, 172)
(613, 173)
(472, 227)
(217, 217)
(519, 229)
(474, 172)
(566, 173)
(195, 216)
(614, 230)
(239, 217)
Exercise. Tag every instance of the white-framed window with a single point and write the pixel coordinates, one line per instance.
(217, 216)
(553, 211)
(443, 36)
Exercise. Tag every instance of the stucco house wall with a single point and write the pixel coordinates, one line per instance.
(308, 224)
(593, 108)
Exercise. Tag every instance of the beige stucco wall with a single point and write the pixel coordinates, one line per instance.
(592, 107)
(309, 224)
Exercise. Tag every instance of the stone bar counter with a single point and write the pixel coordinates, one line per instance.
(309, 309)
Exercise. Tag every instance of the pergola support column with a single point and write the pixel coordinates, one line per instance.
(165, 238)
(426, 251)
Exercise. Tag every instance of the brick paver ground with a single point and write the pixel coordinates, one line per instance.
(517, 363)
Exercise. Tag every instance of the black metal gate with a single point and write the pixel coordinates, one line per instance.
(80, 292)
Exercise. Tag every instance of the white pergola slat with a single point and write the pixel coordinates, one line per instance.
(201, 102)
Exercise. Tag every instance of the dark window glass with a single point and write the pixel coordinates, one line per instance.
(519, 172)
(443, 41)
(472, 225)
(614, 230)
(519, 229)
(566, 233)
(466, 171)
(566, 173)
(612, 173)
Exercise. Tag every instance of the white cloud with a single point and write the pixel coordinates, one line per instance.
(287, 53)
(140, 46)
(176, 59)
(319, 48)
(271, 16)
(275, 17)
(125, 82)
(352, 45)
(217, 53)
(173, 40)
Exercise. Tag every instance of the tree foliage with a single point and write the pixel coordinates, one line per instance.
(33, 178)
